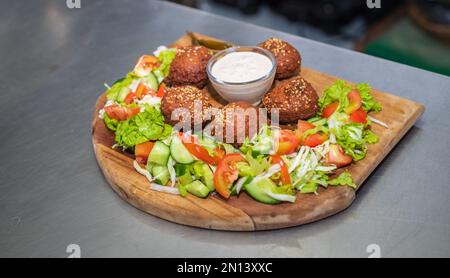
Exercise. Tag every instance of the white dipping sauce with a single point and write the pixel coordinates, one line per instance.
(241, 67)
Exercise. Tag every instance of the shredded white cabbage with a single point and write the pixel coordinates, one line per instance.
(142, 171)
(280, 197)
(159, 50)
(173, 177)
(165, 189)
(240, 183)
(377, 121)
(270, 172)
(154, 186)
(133, 86)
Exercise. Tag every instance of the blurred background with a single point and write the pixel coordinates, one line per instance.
(412, 32)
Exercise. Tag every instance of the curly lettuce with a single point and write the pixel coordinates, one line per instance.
(166, 57)
(344, 179)
(368, 102)
(145, 126)
(110, 122)
(339, 91)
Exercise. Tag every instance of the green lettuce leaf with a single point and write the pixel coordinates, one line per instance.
(166, 57)
(336, 92)
(368, 102)
(370, 137)
(145, 126)
(253, 166)
(345, 178)
(350, 138)
(110, 123)
(339, 91)
(311, 181)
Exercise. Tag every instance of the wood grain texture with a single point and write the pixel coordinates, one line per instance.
(243, 213)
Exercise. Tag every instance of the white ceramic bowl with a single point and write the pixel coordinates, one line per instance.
(251, 91)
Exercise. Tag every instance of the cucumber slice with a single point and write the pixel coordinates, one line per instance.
(204, 173)
(198, 189)
(160, 154)
(255, 190)
(179, 151)
(185, 179)
(181, 169)
(161, 174)
(182, 189)
(151, 81)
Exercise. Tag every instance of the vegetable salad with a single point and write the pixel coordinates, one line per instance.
(271, 167)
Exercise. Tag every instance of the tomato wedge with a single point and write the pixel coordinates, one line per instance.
(141, 90)
(161, 91)
(284, 171)
(315, 139)
(336, 156)
(130, 98)
(226, 173)
(287, 142)
(359, 116)
(121, 113)
(303, 126)
(142, 151)
(330, 109)
(218, 155)
(200, 152)
(145, 65)
(355, 102)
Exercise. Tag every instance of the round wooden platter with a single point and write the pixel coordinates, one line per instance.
(237, 214)
(242, 213)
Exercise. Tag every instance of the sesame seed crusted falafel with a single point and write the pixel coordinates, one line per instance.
(287, 57)
(295, 98)
(244, 118)
(189, 67)
(196, 101)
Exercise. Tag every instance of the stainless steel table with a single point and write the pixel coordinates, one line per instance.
(54, 61)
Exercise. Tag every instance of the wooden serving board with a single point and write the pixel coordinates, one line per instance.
(242, 213)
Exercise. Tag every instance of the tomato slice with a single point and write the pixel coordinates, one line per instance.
(284, 171)
(359, 116)
(315, 139)
(200, 152)
(226, 173)
(355, 102)
(130, 98)
(303, 126)
(218, 155)
(121, 113)
(141, 90)
(161, 91)
(142, 151)
(336, 156)
(145, 65)
(330, 109)
(287, 142)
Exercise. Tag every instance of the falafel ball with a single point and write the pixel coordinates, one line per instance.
(189, 67)
(244, 118)
(295, 98)
(196, 101)
(287, 57)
